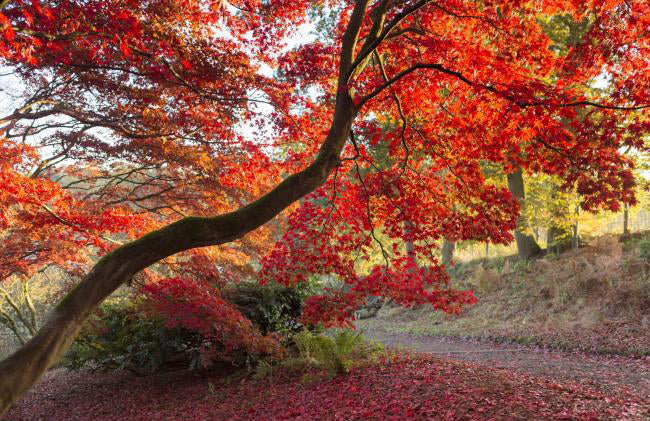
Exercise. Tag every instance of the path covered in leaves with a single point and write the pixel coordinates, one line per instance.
(600, 372)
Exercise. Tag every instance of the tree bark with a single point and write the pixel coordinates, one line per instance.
(410, 247)
(19, 372)
(559, 240)
(448, 248)
(626, 219)
(527, 247)
(22, 369)
(575, 231)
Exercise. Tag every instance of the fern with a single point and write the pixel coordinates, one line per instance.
(335, 353)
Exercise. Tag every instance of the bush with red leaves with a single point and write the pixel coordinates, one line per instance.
(186, 303)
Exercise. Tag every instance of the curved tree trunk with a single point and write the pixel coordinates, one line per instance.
(19, 372)
(527, 247)
(22, 369)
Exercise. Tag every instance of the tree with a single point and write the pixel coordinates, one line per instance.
(527, 247)
(448, 248)
(169, 84)
(17, 311)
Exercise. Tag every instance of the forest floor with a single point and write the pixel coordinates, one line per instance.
(420, 378)
(405, 386)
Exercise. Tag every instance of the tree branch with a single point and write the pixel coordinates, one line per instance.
(374, 43)
(464, 79)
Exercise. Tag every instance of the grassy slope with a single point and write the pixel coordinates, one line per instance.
(594, 299)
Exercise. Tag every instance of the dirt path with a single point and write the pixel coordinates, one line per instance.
(601, 372)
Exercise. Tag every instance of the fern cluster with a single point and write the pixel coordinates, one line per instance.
(335, 352)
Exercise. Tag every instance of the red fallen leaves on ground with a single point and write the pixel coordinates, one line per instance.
(414, 387)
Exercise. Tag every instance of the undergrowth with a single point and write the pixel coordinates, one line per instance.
(322, 354)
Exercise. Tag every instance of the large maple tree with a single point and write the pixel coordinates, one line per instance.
(136, 114)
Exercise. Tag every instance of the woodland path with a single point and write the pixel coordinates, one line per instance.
(598, 371)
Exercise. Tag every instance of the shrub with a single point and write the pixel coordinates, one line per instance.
(120, 337)
(227, 335)
(178, 323)
(335, 353)
(271, 307)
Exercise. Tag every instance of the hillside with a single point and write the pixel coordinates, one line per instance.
(595, 299)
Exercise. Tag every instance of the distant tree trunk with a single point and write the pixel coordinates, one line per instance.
(559, 240)
(626, 218)
(527, 247)
(552, 235)
(448, 248)
(558, 237)
(410, 246)
(575, 238)
(410, 250)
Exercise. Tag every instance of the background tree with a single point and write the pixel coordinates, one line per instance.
(527, 247)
